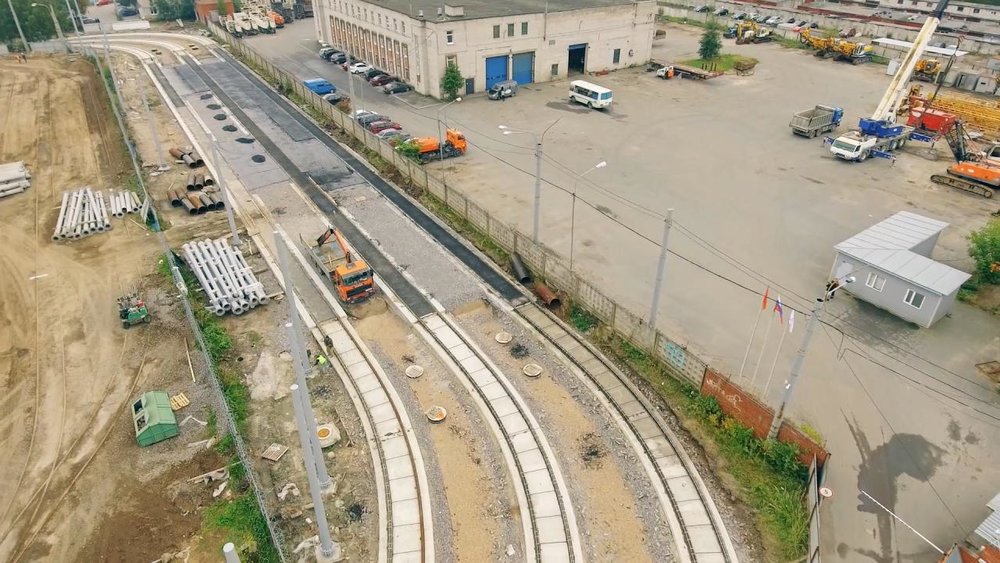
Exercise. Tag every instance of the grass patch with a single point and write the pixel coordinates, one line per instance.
(582, 319)
(723, 63)
(770, 479)
(682, 21)
(244, 525)
(465, 228)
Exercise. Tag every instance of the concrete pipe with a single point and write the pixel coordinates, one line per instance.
(226, 268)
(197, 159)
(520, 271)
(238, 273)
(14, 184)
(190, 181)
(197, 265)
(103, 207)
(217, 271)
(56, 235)
(71, 225)
(116, 205)
(199, 181)
(547, 296)
(136, 203)
(176, 152)
(258, 287)
(91, 211)
(11, 191)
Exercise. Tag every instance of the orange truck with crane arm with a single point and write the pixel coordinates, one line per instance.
(432, 148)
(352, 277)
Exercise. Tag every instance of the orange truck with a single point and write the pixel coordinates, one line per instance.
(431, 148)
(278, 19)
(354, 280)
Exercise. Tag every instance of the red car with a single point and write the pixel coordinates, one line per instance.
(383, 125)
(382, 80)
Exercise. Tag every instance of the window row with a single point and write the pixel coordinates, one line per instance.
(912, 298)
(370, 16)
(375, 49)
(510, 30)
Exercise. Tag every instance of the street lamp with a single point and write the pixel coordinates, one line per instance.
(572, 220)
(55, 21)
(800, 356)
(538, 171)
(441, 109)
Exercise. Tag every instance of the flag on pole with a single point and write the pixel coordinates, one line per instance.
(763, 305)
(778, 309)
(791, 321)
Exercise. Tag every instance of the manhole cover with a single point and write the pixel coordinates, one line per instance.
(245, 140)
(258, 158)
(519, 350)
(214, 106)
(206, 96)
(532, 370)
(414, 371)
(229, 128)
(825, 492)
(328, 435)
(355, 512)
(504, 337)
(436, 414)
(219, 117)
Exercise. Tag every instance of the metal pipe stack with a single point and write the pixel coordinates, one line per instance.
(124, 202)
(14, 178)
(188, 156)
(82, 213)
(229, 283)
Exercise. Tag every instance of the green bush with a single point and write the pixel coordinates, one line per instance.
(984, 248)
(581, 318)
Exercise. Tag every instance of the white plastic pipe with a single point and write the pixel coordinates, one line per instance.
(62, 217)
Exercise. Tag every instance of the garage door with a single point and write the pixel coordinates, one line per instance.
(524, 68)
(496, 70)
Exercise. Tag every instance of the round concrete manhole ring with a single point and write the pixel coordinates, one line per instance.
(214, 106)
(219, 117)
(229, 128)
(414, 371)
(258, 158)
(532, 370)
(245, 140)
(436, 414)
(504, 337)
(327, 435)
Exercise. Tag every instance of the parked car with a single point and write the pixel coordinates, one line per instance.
(848, 32)
(378, 126)
(401, 138)
(812, 25)
(373, 72)
(721, 12)
(360, 68)
(337, 58)
(126, 11)
(325, 52)
(773, 20)
(319, 86)
(382, 80)
(347, 64)
(790, 20)
(335, 97)
(372, 118)
(914, 17)
(740, 16)
(801, 23)
(703, 8)
(389, 133)
(396, 88)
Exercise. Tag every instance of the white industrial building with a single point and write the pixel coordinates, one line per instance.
(490, 40)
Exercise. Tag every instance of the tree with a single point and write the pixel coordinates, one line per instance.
(984, 248)
(35, 21)
(711, 43)
(451, 81)
(175, 9)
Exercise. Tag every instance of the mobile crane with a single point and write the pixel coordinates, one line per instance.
(973, 172)
(352, 278)
(879, 135)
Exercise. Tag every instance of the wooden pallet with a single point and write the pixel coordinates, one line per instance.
(274, 452)
(179, 401)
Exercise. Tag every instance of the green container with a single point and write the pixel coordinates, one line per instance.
(153, 418)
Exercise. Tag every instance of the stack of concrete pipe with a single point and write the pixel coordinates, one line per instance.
(124, 202)
(229, 283)
(187, 156)
(14, 178)
(82, 213)
(196, 203)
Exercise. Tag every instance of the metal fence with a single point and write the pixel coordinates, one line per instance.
(813, 500)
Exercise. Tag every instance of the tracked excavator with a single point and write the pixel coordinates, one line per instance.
(974, 171)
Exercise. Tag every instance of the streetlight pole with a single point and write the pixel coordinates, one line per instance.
(17, 24)
(536, 216)
(800, 356)
(441, 110)
(572, 219)
(73, 19)
(55, 22)
(661, 267)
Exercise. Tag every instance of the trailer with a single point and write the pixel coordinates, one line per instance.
(874, 139)
(816, 121)
(693, 72)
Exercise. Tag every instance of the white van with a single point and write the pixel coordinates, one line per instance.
(592, 95)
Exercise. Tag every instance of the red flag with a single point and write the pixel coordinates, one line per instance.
(763, 305)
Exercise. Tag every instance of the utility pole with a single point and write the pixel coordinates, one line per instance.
(55, 22)
(325, 543)
(229, 553)
(17, 24)
(224, 190)
(536, 218)
(800, 356)
(73, 19)
(152, 130)
(661, 267)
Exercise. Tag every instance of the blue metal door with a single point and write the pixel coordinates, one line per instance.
(496, 70)
(524, 68)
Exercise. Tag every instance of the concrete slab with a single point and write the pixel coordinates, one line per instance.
(550, 530)
(538, 481)
(402, 489)
(405, 512)
(398, 468)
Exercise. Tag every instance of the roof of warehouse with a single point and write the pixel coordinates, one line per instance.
(989, 529)
(475, 9)
(888, 246)
(905, 45)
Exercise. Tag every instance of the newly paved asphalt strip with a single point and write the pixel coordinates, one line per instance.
(409, 294)
(492, 278)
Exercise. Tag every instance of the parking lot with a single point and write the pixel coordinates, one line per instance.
(903, 410)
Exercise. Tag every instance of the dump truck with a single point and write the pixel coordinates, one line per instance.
(818, 120)
(431, 148)
(353, 278)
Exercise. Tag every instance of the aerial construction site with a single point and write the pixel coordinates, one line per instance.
(265, 297)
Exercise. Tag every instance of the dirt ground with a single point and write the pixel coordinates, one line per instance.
(73, 476)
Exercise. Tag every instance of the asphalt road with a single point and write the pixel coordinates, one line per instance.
(903, 410)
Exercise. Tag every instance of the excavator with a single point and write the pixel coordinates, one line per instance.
(822, 45)
(974, 171)
(852, 52)
(927, 70)
(353, 279)
(750, 32)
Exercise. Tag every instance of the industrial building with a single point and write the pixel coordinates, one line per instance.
(891, 261)
(489, 41)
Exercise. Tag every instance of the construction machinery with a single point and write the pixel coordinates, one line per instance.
(822, 45)
(973, 171)
(851, 51)
(927, 70)
(431, 148)
(352, 277)
(132, 310)
(815, 121)
(879, 134)
(982, 114)
(748, 31)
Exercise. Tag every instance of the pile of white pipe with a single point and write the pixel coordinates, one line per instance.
(82, 213)
(14, 178)
(229, 283)
(124, 202)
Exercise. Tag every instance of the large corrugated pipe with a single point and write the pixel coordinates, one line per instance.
(520, 272)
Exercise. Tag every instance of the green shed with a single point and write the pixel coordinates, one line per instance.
(153, 418)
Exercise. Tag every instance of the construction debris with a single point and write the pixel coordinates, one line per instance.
(197, 202)
(220, 474)
(289, 488)
(179, 401)
(14, 178)
(229, 283)
(82, 213)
